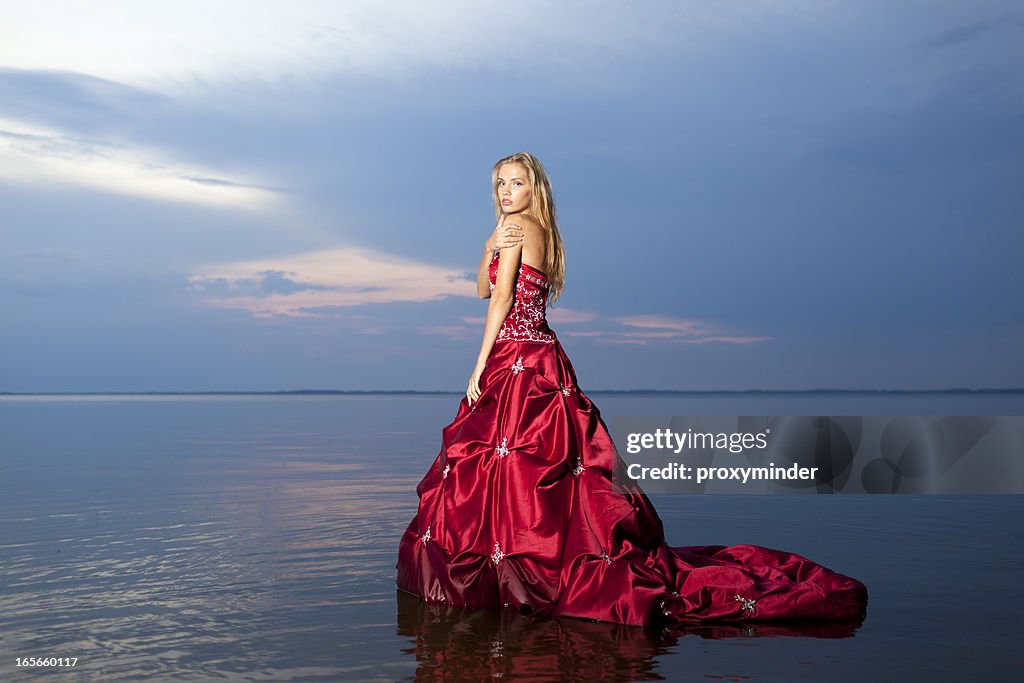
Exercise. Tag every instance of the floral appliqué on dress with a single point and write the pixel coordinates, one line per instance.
(497, 555)
(748, 605)
(526, 321)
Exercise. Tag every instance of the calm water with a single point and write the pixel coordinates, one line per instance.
(254, 538)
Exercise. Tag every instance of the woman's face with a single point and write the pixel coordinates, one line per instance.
(513, 188)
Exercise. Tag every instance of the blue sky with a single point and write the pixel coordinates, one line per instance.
(781, 194)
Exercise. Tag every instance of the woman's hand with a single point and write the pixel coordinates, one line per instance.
(505, 235)
(473, 391)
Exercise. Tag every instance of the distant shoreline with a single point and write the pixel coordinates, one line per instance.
(417, 392)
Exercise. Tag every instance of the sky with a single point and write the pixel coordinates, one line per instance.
(278, 195)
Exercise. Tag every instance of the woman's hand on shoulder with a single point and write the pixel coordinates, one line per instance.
(525, 221)
(506, 234)
(528, 226)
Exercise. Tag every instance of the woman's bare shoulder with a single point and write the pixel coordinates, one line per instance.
(526, 222)
(534, 242)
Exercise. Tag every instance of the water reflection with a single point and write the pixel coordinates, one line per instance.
(256, 540)
(472, 644)
(467, 644)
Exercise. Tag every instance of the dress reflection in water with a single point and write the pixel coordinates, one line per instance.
(519, 509)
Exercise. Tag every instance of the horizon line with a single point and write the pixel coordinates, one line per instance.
(950, 390)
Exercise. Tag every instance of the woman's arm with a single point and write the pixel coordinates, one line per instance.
(483, 280)
(501, 297)
(497, 310)
(504, 236)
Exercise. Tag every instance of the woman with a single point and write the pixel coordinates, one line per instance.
(519, 509)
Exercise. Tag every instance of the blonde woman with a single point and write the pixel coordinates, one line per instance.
(519, 508)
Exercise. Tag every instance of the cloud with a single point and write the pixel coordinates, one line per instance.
(320, 283)
(676, 326)
(652, 328)
(566, 316)
(176, 46)
(452, 332)
(34, 154)
(658, 328)
(182, 43)
(975, 29)
(583, 333)
(74, 101)
(728, 340)
(556, 316)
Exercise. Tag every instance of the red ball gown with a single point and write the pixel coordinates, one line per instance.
(520, 509)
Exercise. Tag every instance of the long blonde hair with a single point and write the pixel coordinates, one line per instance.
(542, 208)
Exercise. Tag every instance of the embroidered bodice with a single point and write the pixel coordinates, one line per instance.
(526, 321)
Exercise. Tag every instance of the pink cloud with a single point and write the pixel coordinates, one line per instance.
(317, 284)
(648, 329)
(728, 340)
(580, 333)
(566, 316)
(679, 325)
(453, 332)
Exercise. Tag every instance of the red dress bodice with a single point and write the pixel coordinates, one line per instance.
(527, 321)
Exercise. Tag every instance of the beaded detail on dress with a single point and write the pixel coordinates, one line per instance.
(527, 320)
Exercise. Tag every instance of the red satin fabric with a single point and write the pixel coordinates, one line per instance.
(519, 509)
